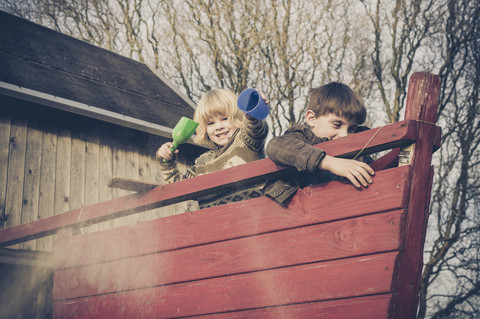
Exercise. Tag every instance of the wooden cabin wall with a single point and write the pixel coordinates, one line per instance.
(52, 162)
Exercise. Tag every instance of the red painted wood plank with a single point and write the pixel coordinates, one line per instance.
(341, 239)
(306, 283)
(371, 307)
(388, 160)
(422, 104)
(373, 140)
(260, 215)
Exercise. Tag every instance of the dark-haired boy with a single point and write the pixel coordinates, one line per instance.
(334, 111)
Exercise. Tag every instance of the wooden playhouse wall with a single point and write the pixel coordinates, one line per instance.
(52, 162)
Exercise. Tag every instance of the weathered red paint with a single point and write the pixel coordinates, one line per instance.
(394, 135)
(334, 252)
(321, 242)
(319, 204)
(422, 104)
(290, 285)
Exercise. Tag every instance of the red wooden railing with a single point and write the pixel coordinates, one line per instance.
(335, 251)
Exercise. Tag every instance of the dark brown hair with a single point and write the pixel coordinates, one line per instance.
(339, 99)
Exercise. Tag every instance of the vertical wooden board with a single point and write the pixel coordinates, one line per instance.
(422, 105)
(156, 177)
(131, 171)
(131, 164)
(46, 204)
(353, 277)
(118, 169)
(31, 186)
(77, 171)
(323, 242)
(105, 175)
(143, 175)
(62, 171)
(5, 126)
(16, 171)
(370, 307)
(92, 173)
(146, 172)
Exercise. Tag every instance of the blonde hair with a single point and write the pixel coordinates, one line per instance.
(213, 103)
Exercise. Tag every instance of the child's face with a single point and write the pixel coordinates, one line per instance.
(330, 125)
(220, 129)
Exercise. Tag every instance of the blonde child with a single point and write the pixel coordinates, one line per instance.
(234, 138)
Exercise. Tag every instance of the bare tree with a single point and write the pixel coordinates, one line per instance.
(399, 28)
(286, 47)
(453, 248)
(86, 20)
(210, 43)
(308, 44)
(440, 37)
(282, 48)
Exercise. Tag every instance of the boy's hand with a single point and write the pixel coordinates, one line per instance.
(356, 172)
(263, 96)
(164, 151)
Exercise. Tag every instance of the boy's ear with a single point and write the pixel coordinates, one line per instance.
(310, 117)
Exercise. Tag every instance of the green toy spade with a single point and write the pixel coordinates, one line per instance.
(182, 132)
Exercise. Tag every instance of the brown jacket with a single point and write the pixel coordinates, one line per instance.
(295, 149)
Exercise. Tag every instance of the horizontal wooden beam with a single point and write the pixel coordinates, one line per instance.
(236, 220)
(367, 142)
(366, 235)
(344, 278)
(367, 307)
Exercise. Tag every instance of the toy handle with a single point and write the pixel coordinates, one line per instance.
(173, 148)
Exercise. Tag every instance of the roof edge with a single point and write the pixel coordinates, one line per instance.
(84, 110)
(172, 87)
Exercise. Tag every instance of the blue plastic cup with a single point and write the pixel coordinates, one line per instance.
(250, 102)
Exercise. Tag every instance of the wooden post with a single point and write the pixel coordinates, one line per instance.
(422, 105)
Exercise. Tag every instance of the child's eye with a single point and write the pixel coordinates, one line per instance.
(225, 119)
(209, 123)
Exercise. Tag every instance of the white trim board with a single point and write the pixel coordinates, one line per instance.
(84, 110)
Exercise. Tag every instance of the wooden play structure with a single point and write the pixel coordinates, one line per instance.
(334, 252)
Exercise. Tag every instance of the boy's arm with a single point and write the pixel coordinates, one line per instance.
(171, 173)
(355, 171)
(295, 149)
(254, 132)
(168, 165)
